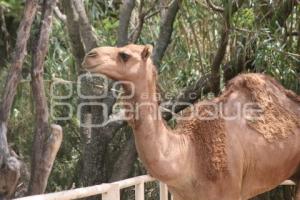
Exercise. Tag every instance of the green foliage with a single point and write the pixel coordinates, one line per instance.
(108, 30)
(244, 18)
(104, 18)
(274, 59)
(59, 61)
(21, 124)
(13, 7)
(186, 77)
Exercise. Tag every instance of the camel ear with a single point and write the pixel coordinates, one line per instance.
(147, 51)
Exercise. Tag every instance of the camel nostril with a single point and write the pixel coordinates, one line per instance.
(92, 54)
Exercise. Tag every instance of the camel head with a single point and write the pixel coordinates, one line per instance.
(128, 63)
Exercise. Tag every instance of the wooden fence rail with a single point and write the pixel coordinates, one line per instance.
(110, 191)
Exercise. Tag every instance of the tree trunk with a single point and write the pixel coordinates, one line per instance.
(10, 170)
(219, 56)
(73, 32)
(221, 51)
(85, 29)
(165, 32)
(124, 164)
(125, 15)
(46, 143)
(93, 166)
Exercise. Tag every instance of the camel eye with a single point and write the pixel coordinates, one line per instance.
(124, 56)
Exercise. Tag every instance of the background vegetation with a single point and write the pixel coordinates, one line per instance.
(219, 39)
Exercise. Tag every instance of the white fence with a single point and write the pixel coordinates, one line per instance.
(110, 191)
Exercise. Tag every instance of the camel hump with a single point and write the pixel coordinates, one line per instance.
(260, 81)
(278, 106)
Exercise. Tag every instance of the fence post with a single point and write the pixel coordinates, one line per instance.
(163, 190)
(113, 193)
(139, 191)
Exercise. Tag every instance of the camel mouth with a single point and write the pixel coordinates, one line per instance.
(90, 67)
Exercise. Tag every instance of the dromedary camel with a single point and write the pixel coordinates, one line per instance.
(214, 153)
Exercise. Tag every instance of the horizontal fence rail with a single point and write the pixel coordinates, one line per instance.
(110, 191)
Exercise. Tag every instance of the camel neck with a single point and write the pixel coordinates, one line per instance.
(152, 137)
(147, 112)
(154, 141)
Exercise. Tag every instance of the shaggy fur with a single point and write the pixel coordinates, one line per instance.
(276, 121)
(207, 131)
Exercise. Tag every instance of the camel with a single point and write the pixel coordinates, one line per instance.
(214, 152)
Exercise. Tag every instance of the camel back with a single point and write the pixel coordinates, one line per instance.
(276, 121)
(209, 136)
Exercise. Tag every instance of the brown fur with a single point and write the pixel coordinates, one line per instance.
(289, 93)
(209, 138)
(276, 121)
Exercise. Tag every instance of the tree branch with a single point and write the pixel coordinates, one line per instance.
(74, 32)
(152, 14)
(219, 56)
(165, 32)
(143, 16)
(86, 32)
(221, 51)
(214, 7)
(141, 19)
(125, 15)
(59, 15)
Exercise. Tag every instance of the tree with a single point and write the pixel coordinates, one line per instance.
(47, 142)
(10, 172)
